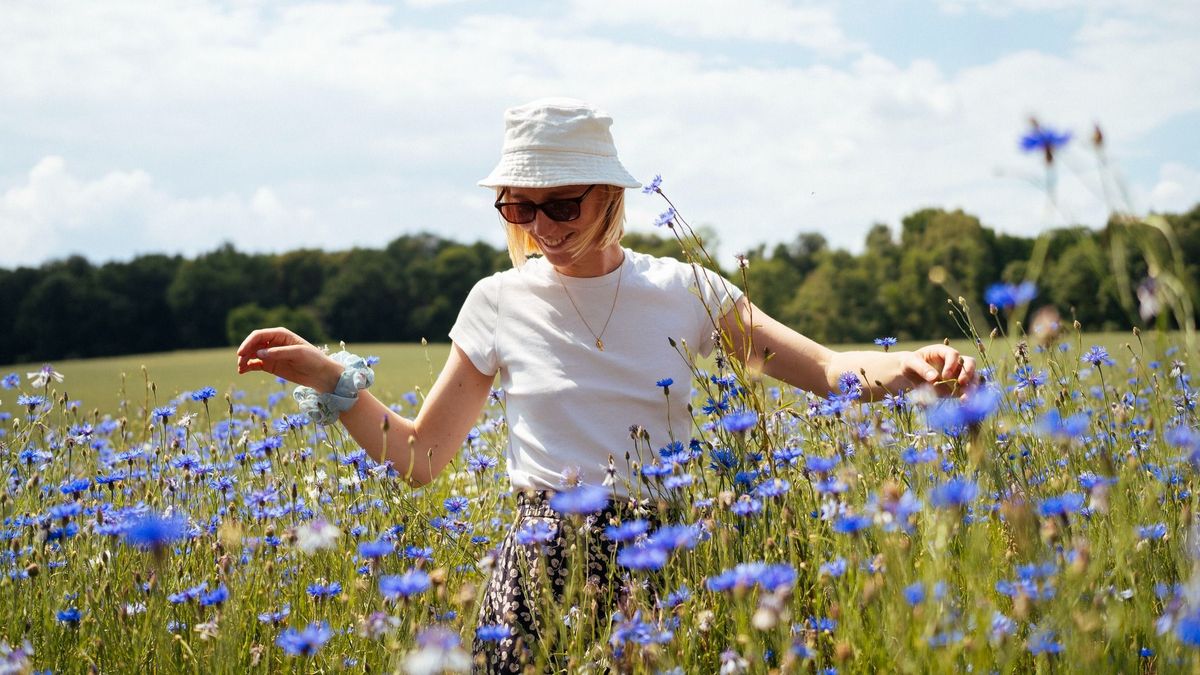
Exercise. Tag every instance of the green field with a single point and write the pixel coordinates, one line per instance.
(103, 383)
(149, 380)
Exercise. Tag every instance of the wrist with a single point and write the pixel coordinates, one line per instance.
(347, 375)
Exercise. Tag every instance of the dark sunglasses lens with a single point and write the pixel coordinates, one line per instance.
(518, 213)
(561, 210)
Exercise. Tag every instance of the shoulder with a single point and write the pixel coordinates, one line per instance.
(658, 269)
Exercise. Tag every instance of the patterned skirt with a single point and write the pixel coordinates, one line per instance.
(543, 556)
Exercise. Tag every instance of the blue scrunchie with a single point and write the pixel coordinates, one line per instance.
(325, 409)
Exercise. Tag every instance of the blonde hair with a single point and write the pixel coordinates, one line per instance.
(609, 231)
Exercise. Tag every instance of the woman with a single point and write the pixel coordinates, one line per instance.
(579, 337)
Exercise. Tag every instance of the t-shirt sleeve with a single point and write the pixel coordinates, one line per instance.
(475, 329)
(717, 296)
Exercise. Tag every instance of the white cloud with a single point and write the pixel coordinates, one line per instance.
(277, 126)
(56, 213)
(773, 21)
(1178, 189)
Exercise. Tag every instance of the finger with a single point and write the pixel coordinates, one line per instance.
(253, 342)
(267, 337)
(918, 369)
(951, 360)
(967, 375)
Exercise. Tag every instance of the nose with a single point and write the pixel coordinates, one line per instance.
(542, 224)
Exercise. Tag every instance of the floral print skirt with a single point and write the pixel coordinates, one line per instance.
(545, 558)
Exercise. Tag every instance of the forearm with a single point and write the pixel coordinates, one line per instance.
(879, 372)
(420, 448)
(396, 441)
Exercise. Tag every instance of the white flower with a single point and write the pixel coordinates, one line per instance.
(39, 378)
(185, 421)
(319, 534)
(437, 652)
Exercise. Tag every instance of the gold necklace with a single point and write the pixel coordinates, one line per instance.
(599, 341)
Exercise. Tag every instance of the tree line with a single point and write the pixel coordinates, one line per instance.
(413, 288)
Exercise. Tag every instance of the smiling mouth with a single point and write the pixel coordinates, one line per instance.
(555, 243)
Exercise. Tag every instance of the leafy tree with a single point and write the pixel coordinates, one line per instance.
(249, 317)
(359, 302)
(205, 289)
(138, 319)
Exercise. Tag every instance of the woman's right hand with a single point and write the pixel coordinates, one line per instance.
(281, 352)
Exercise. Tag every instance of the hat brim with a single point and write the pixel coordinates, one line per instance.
(541, 169)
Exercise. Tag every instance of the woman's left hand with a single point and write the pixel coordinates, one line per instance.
(942, 367)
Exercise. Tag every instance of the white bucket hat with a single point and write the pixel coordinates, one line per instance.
(558, 141)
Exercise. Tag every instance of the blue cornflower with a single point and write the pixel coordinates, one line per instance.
(535, 532)
(306, 642)
(215, 597)
(834, 568)
(678, 481)
(746, 506)
(1042, 641)
(492, 633)
(851, 524)
(456, 504)
(582, 500)
(188, 594)
(665, 383)
(1054, 424)
(30, 401)
(204, 394)
(673, 537)
(822, 624)
(1061, 505)
(949, 414)
(954, 493)
(653, 186)
(154, 532)
(1028, 378)
(1097, 356)
(276, 618)
(74, 487)
(163, 413)
(914, 594)
(11, 381)
(1045, 139)
(627, 531)
(818, 464)
(642, 557)
(885, 342)
(678, 597)
(849, 385)
(321, 591)
(739, 421)
(666, 218)
(773, 487)
(479, 463)
(1155, 531)
(64, 511)
(1187, 628)
(412, 582)
(1006, 296)
(1001, 627)
(69, 616)
(375, 549)
(746, 575)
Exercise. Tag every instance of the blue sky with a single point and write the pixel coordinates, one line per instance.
(130, 127)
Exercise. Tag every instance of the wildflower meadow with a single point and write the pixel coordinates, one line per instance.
(1041, 522)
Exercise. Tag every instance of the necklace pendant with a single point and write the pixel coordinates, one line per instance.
(599, 344)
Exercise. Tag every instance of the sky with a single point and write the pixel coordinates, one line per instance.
(171, 126)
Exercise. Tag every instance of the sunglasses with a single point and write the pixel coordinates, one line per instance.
(560, 210)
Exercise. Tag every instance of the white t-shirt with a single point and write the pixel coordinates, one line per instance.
(569, 405)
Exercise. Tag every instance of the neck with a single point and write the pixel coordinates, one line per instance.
(594, 264)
